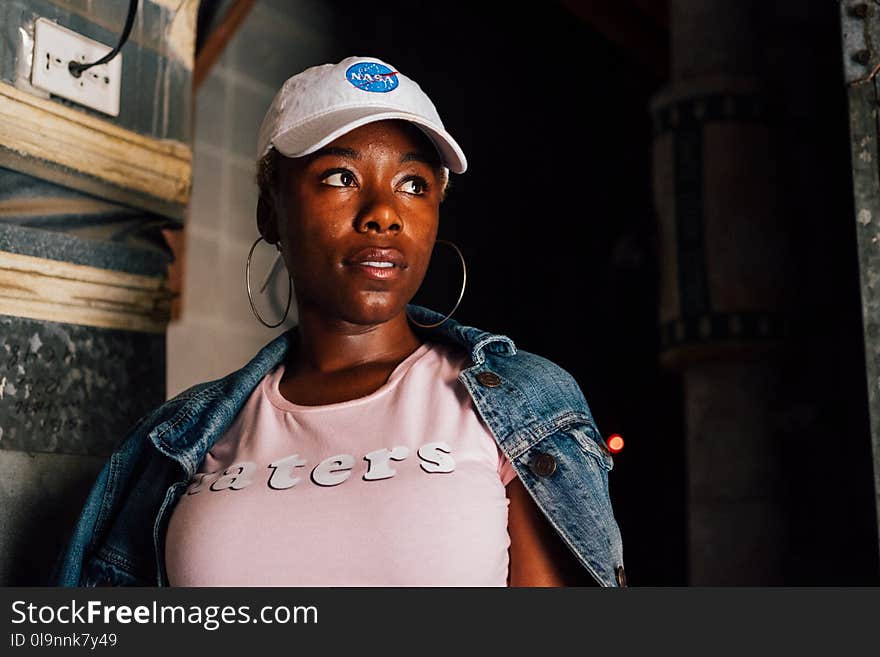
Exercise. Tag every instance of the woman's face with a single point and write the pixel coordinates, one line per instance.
(376, 186)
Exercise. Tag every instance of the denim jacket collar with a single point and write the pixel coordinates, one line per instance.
(184, 440)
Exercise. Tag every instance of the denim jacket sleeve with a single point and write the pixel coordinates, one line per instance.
(544, 426)
(87, 558)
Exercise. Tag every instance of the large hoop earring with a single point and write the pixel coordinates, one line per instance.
(460, 294)
(247, 280)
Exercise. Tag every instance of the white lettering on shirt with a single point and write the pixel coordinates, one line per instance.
(282, 472)
(201, 480)
(435, 457)
(334, 470)
(378, 467)
(236, 477)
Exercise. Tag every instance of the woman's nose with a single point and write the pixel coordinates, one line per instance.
(379, 215)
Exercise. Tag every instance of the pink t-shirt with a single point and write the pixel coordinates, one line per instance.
(402, 487)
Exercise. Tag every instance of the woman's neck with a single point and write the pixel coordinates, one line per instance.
(326, 345)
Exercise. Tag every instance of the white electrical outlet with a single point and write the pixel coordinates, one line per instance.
(55, 47)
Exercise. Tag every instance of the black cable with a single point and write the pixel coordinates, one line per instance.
(76, 68)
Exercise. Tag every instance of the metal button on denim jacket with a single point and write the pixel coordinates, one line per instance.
(534, 409)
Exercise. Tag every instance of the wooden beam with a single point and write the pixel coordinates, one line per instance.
(176, 240)
(59, 291)
(47, 130)
(218, 39)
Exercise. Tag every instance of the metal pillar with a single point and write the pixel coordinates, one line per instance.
(860, 26)
(727, 276)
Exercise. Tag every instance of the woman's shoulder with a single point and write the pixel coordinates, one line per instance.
(194, 391)
(172, 406)
(499, 353)
(539, 378)
(534, 365)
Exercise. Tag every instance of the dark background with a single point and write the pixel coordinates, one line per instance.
(555, 219)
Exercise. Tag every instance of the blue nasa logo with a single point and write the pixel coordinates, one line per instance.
(372, 76)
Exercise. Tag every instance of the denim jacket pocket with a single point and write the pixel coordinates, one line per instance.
(591, 441)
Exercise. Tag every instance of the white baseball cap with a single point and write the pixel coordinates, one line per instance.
(324, 102)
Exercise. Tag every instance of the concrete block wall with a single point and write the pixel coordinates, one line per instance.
(217, 332)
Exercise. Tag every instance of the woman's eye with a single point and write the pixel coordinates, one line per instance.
(339, 179)
(414, 186)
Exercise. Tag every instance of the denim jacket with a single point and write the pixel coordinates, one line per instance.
(534, 409)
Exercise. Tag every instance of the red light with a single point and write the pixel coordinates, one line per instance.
(615, 443)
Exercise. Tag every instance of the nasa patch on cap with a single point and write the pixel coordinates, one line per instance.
(324, 102)
(372, 76)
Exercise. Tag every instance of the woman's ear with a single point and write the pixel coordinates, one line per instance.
(266, 220)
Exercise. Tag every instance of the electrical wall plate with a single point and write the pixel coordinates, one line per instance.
(55, 47)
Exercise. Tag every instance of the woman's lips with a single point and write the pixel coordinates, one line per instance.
(378, 271)
(379, 263)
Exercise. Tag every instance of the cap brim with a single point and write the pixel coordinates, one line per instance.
(307, 137)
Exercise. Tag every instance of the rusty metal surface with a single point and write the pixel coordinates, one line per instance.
(73, 389)
(860, 31)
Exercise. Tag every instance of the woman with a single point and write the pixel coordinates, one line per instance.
(366, 446)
